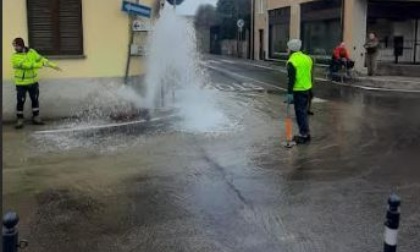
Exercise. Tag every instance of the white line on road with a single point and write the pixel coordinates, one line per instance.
(239, 86)
(251, 86)
(259, 66)
(228, 61)
(371, 88)
(248, 64)
(316, 99)
(96, 127)
(337, 83)
(243, 76)
(213, 61)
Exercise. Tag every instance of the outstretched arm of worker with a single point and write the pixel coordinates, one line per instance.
(46, 63)
(50, 64)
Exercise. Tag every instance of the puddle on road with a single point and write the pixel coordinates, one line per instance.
(226, 114)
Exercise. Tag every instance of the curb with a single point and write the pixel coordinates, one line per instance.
(368, 88)
(377, 84)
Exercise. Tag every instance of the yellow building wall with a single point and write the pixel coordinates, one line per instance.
(106, 32)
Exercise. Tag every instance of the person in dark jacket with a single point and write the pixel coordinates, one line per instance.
(372, 51)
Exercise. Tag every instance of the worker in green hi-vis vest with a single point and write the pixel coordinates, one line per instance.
(299, 68)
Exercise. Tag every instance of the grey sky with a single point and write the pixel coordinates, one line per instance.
(189, 7)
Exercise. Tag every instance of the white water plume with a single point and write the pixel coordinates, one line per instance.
(175, 78)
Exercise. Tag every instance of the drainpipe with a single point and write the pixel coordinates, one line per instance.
(343, 9)
(416, 43)
(237, 30)
(251, 53)
(131, 40)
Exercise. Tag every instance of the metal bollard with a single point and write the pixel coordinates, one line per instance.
(11, 241)
(392, 223)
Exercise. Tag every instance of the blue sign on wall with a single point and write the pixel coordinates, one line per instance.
(136, 9)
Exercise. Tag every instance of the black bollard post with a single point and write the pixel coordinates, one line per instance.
(392, 223)
(10, 232)
(11, 241)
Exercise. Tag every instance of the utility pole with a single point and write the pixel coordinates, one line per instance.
(131, 40)
(416, 42)
(237, 30)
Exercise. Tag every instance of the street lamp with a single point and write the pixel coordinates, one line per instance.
(175, 2)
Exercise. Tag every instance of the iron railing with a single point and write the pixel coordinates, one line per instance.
(400, 51)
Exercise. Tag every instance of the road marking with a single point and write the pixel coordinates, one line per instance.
(318, 100)
(95, 127)
(213, 61)
(370, 88)
(239, 86)
(259, 66)
(240, 62)
(228, 61)
(315, 100)
(252, 86)
(222, 87)
(243, 76)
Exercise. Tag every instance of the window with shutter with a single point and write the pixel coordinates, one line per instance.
(55, 26)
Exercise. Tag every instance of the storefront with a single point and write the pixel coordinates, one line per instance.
(321, 26)
(397, 26)
(279, 30)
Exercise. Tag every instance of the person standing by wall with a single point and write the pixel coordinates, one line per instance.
(299, 68)
(26, 62)
(372, 51)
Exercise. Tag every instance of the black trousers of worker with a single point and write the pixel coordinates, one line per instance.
(33, 91)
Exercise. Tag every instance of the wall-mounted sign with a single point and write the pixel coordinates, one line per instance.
(136, 9)
(141, 25)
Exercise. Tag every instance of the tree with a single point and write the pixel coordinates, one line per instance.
(206, 16)
(229, 11)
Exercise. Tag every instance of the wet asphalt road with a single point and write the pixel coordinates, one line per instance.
(157, 187)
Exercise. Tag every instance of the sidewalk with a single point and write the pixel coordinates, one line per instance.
(374, 83)
(392, 83)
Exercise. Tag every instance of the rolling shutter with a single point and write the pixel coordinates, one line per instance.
(55, 26)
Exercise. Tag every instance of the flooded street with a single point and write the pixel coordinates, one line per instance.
(174, 185)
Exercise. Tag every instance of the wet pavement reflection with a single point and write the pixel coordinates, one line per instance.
(154, 186)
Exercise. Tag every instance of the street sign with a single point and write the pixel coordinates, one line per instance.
(141, 25)
(240, 23)
(137, 50)
(136, 9)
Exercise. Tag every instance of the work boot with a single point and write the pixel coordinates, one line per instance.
(302, 139)
(36, 120)
(19, 123)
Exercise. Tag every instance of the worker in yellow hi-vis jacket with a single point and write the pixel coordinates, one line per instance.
(26, 62)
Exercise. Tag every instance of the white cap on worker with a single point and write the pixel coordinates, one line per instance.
(294, 45)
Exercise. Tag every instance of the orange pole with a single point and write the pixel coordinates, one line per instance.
(288, 125)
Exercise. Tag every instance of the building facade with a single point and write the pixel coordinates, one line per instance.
(323, 24)
(88, 39)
